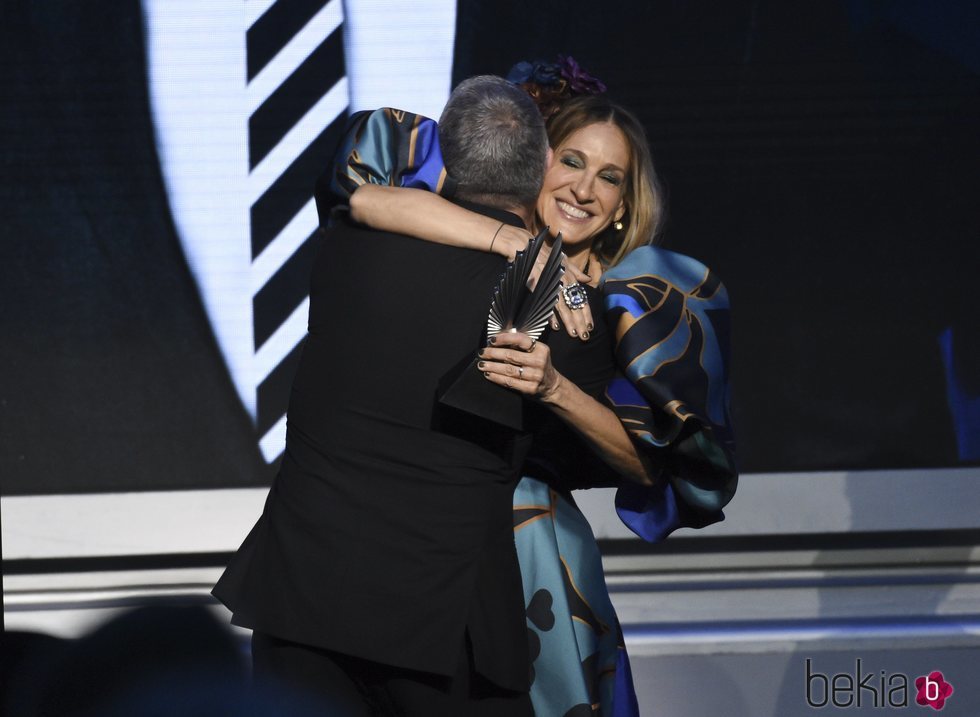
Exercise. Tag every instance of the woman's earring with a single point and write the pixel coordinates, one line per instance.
(618, 226)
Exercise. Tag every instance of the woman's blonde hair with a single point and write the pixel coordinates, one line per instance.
(642, 194)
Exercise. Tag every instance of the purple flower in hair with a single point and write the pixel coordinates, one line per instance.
(550, 84)
(579, 81)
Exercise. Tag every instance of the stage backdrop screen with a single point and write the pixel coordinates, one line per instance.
(157, 223)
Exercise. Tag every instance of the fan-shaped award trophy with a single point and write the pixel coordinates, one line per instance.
(514, 307)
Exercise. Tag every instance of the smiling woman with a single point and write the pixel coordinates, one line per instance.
(583, 189)
(602, 167)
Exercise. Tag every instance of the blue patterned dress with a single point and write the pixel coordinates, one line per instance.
(670, 318)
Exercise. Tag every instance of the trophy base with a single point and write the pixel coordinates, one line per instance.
(465, 388)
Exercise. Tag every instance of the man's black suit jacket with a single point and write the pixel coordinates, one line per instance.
(388, 533)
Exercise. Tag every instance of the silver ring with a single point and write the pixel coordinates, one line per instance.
(575, 296)
(520, 372)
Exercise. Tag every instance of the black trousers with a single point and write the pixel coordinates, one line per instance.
(348, 686)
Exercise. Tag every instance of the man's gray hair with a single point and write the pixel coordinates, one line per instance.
(493, 142)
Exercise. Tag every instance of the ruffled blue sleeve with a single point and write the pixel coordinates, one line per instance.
(671, 319)
(384, 146)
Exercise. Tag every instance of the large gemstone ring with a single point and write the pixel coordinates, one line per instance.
(575, 296)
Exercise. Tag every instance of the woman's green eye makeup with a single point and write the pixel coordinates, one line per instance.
(575, 163)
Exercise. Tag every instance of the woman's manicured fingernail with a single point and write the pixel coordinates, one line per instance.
(574, 333)
(585, 335)
(481, 365)
(486, 374)
(492, 340)
(589, 327)
(480, 352)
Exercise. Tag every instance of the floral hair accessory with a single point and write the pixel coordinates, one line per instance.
(579, 81)
(551, 83)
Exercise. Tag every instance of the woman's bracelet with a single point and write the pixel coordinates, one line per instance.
(495, 236)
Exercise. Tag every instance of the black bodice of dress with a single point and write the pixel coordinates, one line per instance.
(588, 364)
(559, 456)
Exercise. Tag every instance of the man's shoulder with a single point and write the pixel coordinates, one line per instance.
(343, 225)
(346, 234)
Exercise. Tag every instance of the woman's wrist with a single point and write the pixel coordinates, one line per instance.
(495, 235)
(507, 240)
(555, 394)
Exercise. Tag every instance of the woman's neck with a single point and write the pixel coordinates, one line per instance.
(578, 257)
(583, 259)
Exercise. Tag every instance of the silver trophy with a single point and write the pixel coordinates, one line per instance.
(515, 306)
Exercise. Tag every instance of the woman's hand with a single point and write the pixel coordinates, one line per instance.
(516, 361)
(577, 322)
(521, 363)
(508, 240)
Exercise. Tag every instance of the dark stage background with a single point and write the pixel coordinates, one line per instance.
(820, 157)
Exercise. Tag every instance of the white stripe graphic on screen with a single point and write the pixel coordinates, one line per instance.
(284, 245)
(282, 341)
(280, 146)
(301, 46)
(325, 111)
(273, 442)
(254, 9)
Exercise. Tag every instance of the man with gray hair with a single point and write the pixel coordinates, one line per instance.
(494, 147)
(382, 573)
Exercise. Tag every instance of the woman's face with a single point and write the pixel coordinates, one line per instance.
(583, 189)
